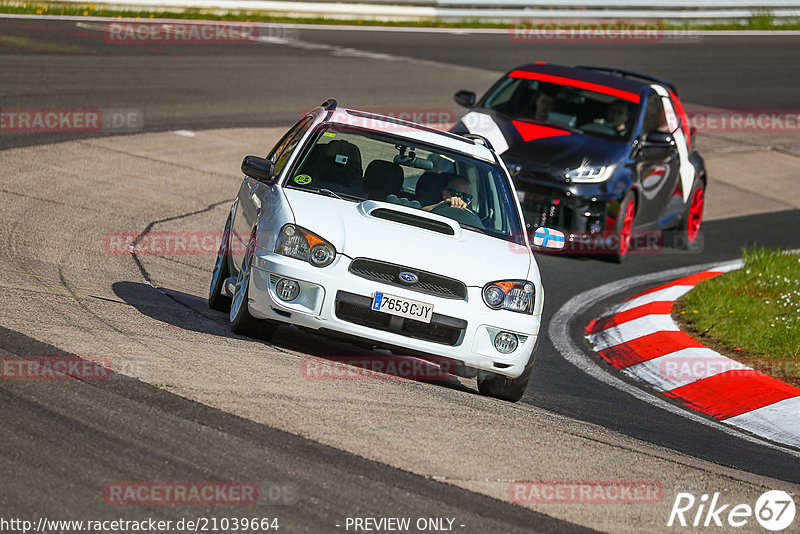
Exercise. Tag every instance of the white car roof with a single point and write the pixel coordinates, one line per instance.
(410, 130)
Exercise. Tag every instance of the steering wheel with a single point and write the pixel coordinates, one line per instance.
(465, 216)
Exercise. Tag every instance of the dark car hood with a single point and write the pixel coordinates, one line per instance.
(547, 146)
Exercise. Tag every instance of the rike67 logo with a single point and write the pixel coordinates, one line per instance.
(774, 510)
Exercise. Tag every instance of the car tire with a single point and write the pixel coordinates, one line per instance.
(241, 321)
(504, 388)
(216, 299)
(623, 228)
(689, 229)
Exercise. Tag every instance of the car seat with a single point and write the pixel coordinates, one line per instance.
(338, 166)
(381, 179)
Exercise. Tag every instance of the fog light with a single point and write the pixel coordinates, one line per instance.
(287, 289)
(505, 342)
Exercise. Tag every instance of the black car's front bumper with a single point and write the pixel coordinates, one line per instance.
(584, 212)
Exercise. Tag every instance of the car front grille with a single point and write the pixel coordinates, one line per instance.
(552, 208)
(357, 309)
(389, 273)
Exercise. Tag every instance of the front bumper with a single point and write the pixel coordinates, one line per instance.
(332, 298)
(563, 210)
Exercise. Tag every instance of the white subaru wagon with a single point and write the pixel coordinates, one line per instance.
(390, 233)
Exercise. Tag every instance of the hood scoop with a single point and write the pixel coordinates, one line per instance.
(410, 217)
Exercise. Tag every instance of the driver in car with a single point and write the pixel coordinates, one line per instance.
(456, 194)
(617, 115)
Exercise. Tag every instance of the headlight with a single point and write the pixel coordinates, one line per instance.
(297, 242)
(588, 173)
(513, 295)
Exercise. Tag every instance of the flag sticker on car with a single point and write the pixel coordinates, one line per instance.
(548, 238)
(402, 307)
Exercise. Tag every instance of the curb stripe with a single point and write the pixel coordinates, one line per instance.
(648, 347)
(649, 324)
(733, 393)
(640, 337)
(683, 367)
(661, 294)
(691, 280)
(653, 308)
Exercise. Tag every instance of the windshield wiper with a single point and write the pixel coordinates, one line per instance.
(328, 193)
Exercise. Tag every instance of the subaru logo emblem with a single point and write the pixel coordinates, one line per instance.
(408, 278)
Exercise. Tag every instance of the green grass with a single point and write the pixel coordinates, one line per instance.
(751, 314)
(759, 20)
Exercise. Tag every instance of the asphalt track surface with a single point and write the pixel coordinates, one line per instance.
(54, 456)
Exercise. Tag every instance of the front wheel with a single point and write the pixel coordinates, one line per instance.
(689, 230)
(504, 388)
(216, 299)
(623, 229)
(241, 321)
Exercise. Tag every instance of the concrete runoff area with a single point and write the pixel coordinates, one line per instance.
(62, 286)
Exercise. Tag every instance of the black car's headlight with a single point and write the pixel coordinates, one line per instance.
(297, 242)
(512, 295)
(590, 173)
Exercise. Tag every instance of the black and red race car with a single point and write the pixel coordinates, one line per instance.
(604, 155)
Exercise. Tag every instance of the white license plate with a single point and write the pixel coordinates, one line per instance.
(402, 307)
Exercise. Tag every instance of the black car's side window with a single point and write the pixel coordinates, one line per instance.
(280, 154)
(654, 117)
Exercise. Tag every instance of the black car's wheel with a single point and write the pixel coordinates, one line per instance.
(623, 228)
(216, 299)
(241, 321)
(504, 388)
(689, 229)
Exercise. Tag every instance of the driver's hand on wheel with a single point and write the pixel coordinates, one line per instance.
(455, 202)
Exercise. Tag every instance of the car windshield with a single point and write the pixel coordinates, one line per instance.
(594, 113)
(356, 164)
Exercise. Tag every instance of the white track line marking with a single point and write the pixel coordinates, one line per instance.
(559, 328)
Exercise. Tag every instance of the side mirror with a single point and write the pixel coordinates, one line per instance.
(465, 98)
(548, 239)
(658, 146)
(659, 139)
(261, 169)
